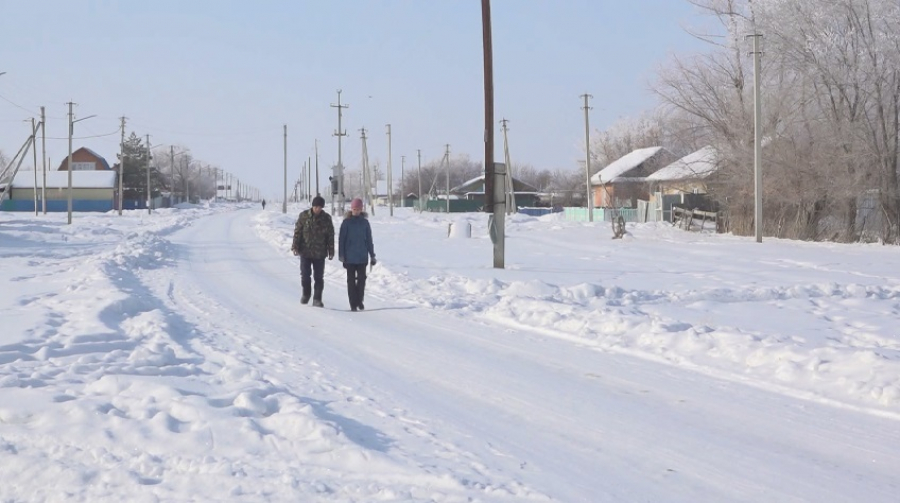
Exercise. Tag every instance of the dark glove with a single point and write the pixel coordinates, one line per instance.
(295, 252)
(330, 255)
(374, 261)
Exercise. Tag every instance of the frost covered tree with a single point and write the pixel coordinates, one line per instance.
(844, 56)
(831, 107)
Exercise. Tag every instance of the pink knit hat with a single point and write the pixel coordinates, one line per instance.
(356, 204)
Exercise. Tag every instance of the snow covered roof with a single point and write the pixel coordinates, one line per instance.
(476, 186)
(468, 182)
(60, 179)
(624, 164)
(699, 164)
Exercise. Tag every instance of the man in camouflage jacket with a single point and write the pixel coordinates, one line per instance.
(313, 242)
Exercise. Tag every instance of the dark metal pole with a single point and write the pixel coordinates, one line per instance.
(497, 211)
(488, 107)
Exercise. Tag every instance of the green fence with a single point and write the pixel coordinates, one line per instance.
(456, 206)
(603, 214)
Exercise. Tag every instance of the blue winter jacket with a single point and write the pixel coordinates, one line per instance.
(355, 244)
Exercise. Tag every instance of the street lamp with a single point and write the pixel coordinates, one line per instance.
(69, 162)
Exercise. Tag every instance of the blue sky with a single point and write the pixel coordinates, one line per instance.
(223, 76)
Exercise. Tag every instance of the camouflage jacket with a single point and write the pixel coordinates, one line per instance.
(314, 235)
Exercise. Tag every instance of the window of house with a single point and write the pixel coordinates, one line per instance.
(84, 166)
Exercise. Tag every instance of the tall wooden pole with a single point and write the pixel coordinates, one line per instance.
(589, 194)
(44, 160)
(149, 191)
(488, 106)
(34, 156)
(390, 185)
(69, 169)
(122, 167)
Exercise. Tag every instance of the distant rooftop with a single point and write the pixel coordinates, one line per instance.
(624, 164)
(699, 164)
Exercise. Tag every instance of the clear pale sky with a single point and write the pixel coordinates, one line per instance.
(222, 76)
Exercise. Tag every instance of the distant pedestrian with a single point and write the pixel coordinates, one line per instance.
(313, 241)
(264, 203)
(355, 247)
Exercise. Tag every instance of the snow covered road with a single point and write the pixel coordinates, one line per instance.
(514, 413)
(167, 358)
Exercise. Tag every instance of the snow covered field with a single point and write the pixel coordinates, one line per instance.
(167, 358)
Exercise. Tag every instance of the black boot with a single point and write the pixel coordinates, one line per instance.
(306, 288)
(351, 292)
(360, 293)
(317, 296)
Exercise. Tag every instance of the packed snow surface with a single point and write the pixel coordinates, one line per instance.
(166, 357)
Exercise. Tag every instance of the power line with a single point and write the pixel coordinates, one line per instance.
(238, 133)
(85, 137)
(17, 105)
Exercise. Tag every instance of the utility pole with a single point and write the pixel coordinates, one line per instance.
(340, 167)
(302, 181)
(488, 110)
(72, 122)
(122, 166)
(317, 166)
(402, 167)
(419, 153)
(149, 191)
(510, 189)
(186, 174)
(284, 200)
(366, 175)
(757, 142)
(490, 205)
(34, 155)
(44, 159)
(447, 158)
(589, 195)
(69, 166)
(390, 186)
(172, 173)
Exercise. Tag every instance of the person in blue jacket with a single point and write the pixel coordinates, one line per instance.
(355, 248)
